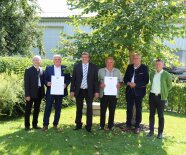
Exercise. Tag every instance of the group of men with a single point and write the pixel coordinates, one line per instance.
(88, 82)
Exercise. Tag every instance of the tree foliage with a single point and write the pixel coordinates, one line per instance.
(18, 27)
(121, 27)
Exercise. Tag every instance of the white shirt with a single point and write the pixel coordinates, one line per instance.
(156, 83)
(132, 80)
(57, 71)
(84, 76)
(39, 80)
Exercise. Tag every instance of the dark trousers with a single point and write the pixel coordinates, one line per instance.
(155, 102)
(83, 94)
(28, 108)
(132, 99)
(110, 103)
(57, 100)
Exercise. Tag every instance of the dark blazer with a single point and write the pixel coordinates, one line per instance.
(50, 71)
(141, 79)
(92, 79)
(31, 82)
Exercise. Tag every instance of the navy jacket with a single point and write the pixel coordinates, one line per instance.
(141, 79)
(49, 72)
(31, 82)
(92, 79)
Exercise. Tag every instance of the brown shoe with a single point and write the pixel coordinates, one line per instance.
(55, 126)
(127, 128)
(137, 130)
(45, 128)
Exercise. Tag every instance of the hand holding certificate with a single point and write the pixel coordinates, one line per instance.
(57, 85)
(110, 85)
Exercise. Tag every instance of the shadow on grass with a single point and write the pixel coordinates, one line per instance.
(67, 141)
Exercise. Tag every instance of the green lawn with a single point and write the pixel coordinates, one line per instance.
(15, 140)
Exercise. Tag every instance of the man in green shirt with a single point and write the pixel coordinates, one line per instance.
(161, 83)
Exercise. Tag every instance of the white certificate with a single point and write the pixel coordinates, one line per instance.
(57, 85)
(110, 85)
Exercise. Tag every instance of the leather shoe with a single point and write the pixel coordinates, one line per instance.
(36, 127)
(137, 130)
(45, 128)
(150, 134)
(27, 129)
(88, 129)
(77, 128)
(101, 128)
(159, 136)
(55, 126)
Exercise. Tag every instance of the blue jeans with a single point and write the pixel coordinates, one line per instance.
(57, 105)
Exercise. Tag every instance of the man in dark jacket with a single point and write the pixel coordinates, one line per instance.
(34, 91)
(84, 85)
(56, 70)
(136, 78)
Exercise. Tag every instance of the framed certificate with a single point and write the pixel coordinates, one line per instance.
(110, 85)
(57, 85)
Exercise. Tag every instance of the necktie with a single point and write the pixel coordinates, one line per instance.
(84, 80)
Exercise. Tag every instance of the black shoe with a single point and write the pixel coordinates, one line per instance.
(88, 129)
(159, 136)
(77, 128)
(101, 128)
(27, 129)
(137, 130)
(36, 127)
(150, 134)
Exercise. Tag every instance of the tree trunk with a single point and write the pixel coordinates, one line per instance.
(134, 107)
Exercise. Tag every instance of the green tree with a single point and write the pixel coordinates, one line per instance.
(18, 27)
(121, 27)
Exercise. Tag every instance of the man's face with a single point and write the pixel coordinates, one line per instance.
(109, 64)
(36, 62)
(136, 60)
(159, 65)
(57, 61)
(85, 59)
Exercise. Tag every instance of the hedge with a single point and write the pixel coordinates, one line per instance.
(11, 76)
(176, 99)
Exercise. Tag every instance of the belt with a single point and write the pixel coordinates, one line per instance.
(155, 94)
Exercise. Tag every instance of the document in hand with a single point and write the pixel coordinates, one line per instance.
(110, 85)
(57, 85)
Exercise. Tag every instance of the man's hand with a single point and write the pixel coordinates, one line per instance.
(49, 84)
(27, 98)
(132, 85)
(65, 86)
(96, 95)
(101, 85)
(72, 94)
(118, 86)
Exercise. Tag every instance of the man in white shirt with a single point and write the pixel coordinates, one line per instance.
(57, 70)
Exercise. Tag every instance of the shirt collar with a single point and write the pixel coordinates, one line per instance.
(159, 72)
(57, 67)
(137, 66)
(108, 70)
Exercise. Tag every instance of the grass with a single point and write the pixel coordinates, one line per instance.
(15, 140)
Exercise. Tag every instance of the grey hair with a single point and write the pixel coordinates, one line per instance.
(57, 55)
(36, 57)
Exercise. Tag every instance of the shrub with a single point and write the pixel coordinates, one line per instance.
(11, 94)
